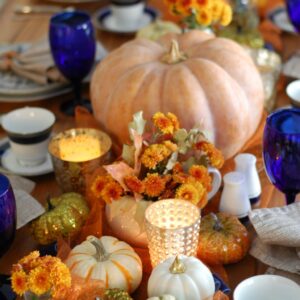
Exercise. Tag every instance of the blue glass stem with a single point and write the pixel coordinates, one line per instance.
(290, 198)
(77, 92)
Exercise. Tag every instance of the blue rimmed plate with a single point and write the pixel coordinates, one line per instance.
(104, 20)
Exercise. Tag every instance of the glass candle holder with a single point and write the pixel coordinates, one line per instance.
(172, 227)
(76, 154)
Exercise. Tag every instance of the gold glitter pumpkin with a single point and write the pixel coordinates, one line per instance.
(64, 216)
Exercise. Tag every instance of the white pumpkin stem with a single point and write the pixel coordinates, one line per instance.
(177, 266)
(174, 55)
(100, 254)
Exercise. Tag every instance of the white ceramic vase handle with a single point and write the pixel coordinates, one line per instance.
(216, 182)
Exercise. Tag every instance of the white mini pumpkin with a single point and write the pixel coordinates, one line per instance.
(107, 259)
(186, 278)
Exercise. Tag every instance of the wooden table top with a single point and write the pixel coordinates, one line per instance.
(14, 29)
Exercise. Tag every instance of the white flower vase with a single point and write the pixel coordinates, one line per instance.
(126, 219)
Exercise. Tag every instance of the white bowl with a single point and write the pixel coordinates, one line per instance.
(293, 92)
(267, 287)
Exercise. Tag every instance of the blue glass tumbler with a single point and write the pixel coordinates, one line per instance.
(281, 151)
(7, 214)
(293, 9)
(73, 47)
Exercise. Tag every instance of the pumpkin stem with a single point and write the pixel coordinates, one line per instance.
(100, 254)
(174, 55)
(177, 266)
(218, 225)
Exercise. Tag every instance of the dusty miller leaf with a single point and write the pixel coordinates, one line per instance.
(138, 124)
(128, 154)
(171, 162)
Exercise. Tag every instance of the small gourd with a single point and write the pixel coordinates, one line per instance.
(185, 278)
(107, 259)
(116, 294)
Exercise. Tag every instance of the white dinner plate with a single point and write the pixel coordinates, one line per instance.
(104, 20)
(10, 163)
(280, 18)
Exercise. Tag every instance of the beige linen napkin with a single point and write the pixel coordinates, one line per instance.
(35, 63)
(278, 240)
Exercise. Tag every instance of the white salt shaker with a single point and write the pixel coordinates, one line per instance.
(246, 164)
(234, 198)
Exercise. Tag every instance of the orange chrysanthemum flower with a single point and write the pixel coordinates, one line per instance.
(134, 184)
(188, 192)
(163, 123)
(202, 192)
(99, 183)
(204, 16)
(216, 9)
(180, 177)
(200, 173)
(226, 16)
(177, 168)
(215, 156)
(200, 4)
(39, 280)
(111, 191)
(170, 145)
(30, 261)
(60, 275)
(154, 154)
(154, 185)
(184, 7)
(19, 282)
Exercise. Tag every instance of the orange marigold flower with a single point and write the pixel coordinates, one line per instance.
(134, 184)
(111, 191)
(99, 183)
(19, 282)
(214, 155)
(154, 154)
(163, 123)
(187, 192)
(202, 192)
(200, 4)
(216, 9)
(200, 173)
(39, 280)
(154, 185)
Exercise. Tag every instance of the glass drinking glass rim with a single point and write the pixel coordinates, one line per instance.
(56, 19)
(172, 229)
(279, 111)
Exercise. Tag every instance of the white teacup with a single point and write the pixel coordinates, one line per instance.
(29, 131)
(267, 287)
(127, 15)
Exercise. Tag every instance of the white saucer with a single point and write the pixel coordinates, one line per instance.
(10, 163)
(281, 19)
(106, 21)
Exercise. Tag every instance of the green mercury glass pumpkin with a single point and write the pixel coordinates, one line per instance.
(116, 294)
(64, 216)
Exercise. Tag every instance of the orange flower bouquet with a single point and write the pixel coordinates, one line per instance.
(201, 13)
(169, 163)
(162, 162)
(38, 276)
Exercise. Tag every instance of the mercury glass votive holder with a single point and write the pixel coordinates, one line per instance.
(76, 154)
(172, 227)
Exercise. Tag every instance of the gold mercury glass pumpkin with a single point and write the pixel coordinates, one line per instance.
(64, 216)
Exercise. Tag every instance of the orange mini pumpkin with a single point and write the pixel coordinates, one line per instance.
(223, 239)
(208, 81)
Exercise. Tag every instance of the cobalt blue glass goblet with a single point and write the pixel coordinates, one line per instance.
(281, 151)
(7, 214)
(73, 47)
(293, 9)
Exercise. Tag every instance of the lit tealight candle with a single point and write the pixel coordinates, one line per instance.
(79, 148)
(172, 228)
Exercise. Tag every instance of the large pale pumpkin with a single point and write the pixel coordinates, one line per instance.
(210, 81)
